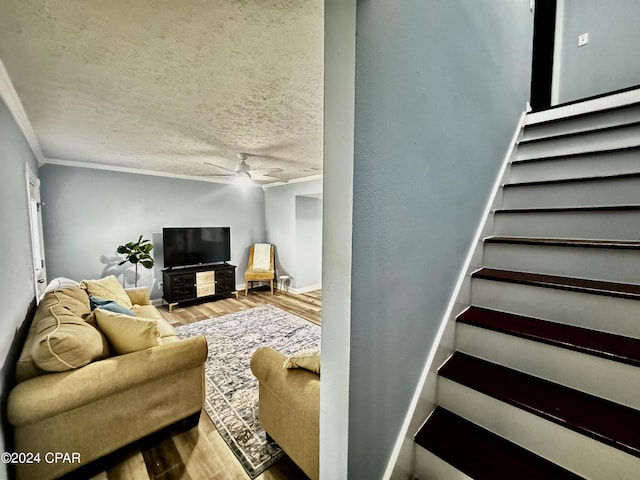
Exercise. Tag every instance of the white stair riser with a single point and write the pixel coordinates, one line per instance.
(614, 265)
(560, 445)
(607, 224)
(604, 140)
(624, 191)
(598, 312)
(611, 163)
(598, 376)
(431, 467)
(581, 124)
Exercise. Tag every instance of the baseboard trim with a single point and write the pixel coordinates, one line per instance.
(301, 290)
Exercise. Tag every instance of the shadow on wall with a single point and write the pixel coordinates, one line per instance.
(126, 272)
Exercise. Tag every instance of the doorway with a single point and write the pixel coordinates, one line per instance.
(35, 224)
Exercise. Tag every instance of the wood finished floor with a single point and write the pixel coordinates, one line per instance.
(201, 453)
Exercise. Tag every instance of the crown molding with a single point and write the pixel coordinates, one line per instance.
(136, 171)
(12, 100)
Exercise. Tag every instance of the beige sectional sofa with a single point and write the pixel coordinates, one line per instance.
(77, 394)
(289, 407)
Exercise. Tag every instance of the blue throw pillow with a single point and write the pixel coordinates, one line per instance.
(111, 305)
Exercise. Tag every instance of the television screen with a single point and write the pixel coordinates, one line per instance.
(196, 245)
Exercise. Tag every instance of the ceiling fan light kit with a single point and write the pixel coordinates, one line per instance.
(243, 172)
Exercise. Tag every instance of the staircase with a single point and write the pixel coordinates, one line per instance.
(545, 379)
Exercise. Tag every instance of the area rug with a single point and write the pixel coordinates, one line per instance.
(231, 389)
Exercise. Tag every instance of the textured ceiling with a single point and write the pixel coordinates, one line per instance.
(168, 85)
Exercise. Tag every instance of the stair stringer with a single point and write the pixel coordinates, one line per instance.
(403, 460)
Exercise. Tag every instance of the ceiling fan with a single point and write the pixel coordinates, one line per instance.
(244, 172)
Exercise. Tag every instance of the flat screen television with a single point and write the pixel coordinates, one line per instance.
(185, 246)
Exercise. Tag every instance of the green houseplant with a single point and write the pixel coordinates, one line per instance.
(137, 252)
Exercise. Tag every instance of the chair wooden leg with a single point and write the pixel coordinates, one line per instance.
(246, 287)
(271, 282)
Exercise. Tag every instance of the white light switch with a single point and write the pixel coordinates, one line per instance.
(583, 39)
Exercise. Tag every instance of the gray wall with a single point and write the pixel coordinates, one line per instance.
(16, 283)
(280, 223)
(308, 242)
(611, 59)
(440, 86)
(89, 212)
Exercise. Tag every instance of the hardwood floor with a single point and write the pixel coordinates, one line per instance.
(200, 453)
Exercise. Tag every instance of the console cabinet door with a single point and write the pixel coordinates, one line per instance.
(180, 286)
(225, 281)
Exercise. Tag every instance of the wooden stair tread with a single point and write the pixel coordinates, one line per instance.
(602, 420)
(560, 181)
(594, 208)
(596, 287)
(566, 242)
(577, 116)
(564, 156)
(481, 454)
(579, 133)
(601, 344)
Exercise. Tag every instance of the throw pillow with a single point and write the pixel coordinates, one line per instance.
(109, 288)
(128, 334)
(111, 305)
(307, 359)
(65, 342)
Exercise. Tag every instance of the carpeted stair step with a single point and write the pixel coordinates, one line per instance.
(481, 454)
(592, 342)
(607, 422)
(595, 287)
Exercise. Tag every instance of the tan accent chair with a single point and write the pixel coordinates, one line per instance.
(251, 275)
(289, 408)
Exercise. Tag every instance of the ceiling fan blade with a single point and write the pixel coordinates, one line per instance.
(219, 175)
(265, 171)
(222, 168)
(266, 179)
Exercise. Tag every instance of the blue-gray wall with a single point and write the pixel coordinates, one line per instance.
(16, 283)
(440, 86)
(280, 223)
(89, 212)
(308, 242)
(611, 59)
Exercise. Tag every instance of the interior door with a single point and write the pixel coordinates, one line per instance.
(37, 244)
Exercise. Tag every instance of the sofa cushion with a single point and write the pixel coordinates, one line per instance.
(108, 288)
(128, 334)
(74, 299)
(111, 305)
(307, 359)
(64, 341)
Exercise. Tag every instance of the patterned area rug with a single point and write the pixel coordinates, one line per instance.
(231, 389)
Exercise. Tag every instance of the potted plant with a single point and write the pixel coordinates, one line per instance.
(137, 252)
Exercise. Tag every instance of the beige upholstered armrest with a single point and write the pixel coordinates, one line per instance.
(54, 393)
(297, 388)
(139, 295)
